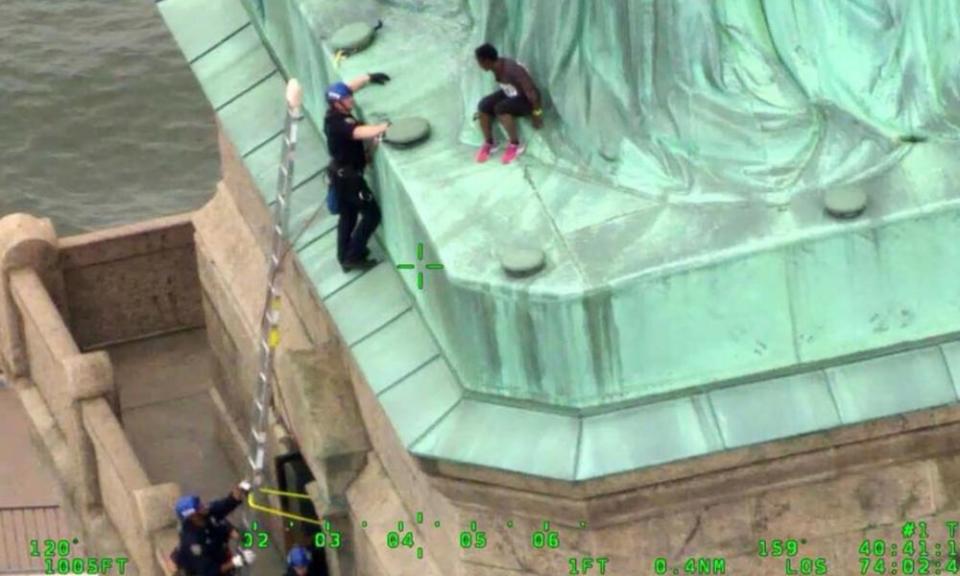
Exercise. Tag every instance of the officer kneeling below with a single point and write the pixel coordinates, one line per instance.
(345, 142)
(205, 535)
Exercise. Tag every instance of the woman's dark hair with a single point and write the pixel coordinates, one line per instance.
(487, 53)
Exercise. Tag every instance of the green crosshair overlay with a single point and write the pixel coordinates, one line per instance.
(433, 266)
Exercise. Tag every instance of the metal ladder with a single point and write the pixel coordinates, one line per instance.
(269, 329)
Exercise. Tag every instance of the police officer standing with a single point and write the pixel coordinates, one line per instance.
(205, 535)
(345, 142)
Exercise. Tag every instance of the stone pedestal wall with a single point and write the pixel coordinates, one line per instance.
(831, 489)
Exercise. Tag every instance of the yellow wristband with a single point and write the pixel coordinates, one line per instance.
(538, 112)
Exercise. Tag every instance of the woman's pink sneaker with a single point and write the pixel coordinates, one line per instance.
(513, 150)
(484, 154)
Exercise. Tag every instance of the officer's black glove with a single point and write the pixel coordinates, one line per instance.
(379, 78)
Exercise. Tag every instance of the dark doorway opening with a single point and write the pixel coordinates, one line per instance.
(293, 475)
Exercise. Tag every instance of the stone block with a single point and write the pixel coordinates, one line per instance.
(333, 477)
(228, 435)
(235, 262)
(373, 495)
(750, 565)
(131, 281)
(715, 532)
(226, 353)
(727, 526)
(342, 562)
(88, 375)
(878, 496)
(526, 502)
(816, 511)
(298, 287)
(406, 477)
(237, 178)
(154, 504)
(127, 241)
(110, 441)
(316, 390)
(284, 440)
(368, 562)
(509, 541)
(470, 569)
(164, 542)
(948, 469)
(25, 242)
(231, 339)
(119, 475)
(324, 503)
(339, 471)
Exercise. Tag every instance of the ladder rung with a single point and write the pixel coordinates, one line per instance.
(260, 437)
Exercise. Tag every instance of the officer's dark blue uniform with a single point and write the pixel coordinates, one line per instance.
(204, 536)
(348, 161)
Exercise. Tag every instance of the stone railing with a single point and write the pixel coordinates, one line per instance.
(138, 509)
(38, 353)
(131, 282)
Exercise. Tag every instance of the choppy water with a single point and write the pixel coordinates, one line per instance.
(101, 121)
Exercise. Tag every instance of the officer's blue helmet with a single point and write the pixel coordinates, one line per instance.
(187, 506)
(338, 92)
(298, 557)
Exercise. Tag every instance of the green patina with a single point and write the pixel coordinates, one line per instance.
(694, 282)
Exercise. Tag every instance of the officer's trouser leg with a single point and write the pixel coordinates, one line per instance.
(369, 220)
(345, 226)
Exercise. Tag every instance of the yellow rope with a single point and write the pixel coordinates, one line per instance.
(282, 493)
(253, 504)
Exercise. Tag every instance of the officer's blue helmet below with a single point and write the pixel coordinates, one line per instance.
(298, 557)
(338, 92)
(187, 506)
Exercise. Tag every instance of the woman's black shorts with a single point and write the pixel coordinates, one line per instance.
(499, 103)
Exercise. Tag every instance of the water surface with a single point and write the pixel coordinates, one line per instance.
(101, 120)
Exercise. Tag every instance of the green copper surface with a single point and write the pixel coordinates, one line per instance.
(677, 194)
(702, 309)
